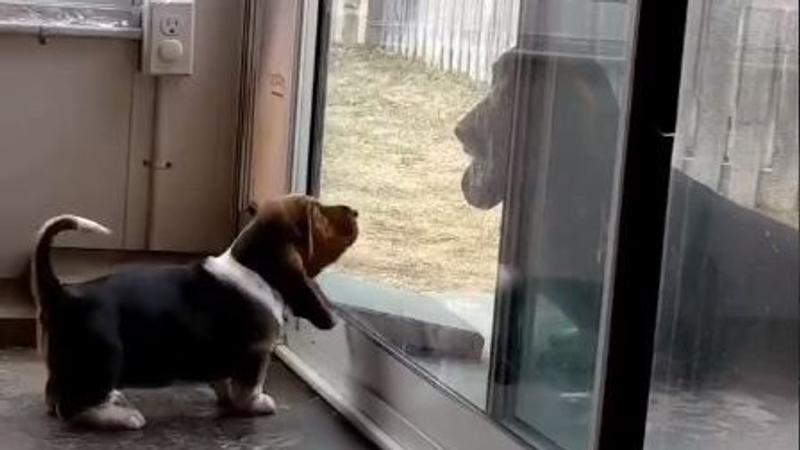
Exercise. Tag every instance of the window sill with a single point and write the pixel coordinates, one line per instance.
(77, 19)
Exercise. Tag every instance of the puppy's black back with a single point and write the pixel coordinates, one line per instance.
(153, 326)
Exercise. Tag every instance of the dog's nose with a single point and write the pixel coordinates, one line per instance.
(354, 213)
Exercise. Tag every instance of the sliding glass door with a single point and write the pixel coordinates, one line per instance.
(483, 143)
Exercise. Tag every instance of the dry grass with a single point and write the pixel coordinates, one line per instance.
(390, 151)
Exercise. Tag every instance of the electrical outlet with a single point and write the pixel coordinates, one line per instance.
(168, 47)
(170, 25)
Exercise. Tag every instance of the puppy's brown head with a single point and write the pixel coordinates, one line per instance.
(290, 241)
(323, 233)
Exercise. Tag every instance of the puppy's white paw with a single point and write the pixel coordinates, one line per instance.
(263, 404)
(136, 420)
(258, 404)
(117, 398)
(109, 416)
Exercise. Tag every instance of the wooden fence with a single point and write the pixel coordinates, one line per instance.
(738, 130)
(456, 36)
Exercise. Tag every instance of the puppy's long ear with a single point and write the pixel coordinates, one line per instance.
(311, 223)
(303, 294)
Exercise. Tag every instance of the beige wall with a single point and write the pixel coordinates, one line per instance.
(64, 128)
(275, 99)
(77, 120)
(193, 207)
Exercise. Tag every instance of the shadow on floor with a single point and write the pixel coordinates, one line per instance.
(178, 417)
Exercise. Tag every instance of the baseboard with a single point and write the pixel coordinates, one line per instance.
(17, 315)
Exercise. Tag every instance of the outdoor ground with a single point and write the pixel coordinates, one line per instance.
(390, 151)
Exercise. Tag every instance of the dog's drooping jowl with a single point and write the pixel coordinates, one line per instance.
(215, 321)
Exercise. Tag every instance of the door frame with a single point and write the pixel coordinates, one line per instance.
(644, 192)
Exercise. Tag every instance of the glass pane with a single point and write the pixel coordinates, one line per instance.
(726, 365)
(568, 91)
(479, 141)
(423, 272)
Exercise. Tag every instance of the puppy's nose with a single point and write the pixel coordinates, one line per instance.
(354, 213)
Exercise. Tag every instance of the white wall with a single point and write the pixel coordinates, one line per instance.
(77, 120)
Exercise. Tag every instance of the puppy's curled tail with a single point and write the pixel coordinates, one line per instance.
(44, 284)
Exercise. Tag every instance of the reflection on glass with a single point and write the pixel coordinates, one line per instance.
(567, 83)
(439, 113)
(726, 368)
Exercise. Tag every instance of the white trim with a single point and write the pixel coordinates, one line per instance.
(227, 270)
(363, 423)
(304, 99)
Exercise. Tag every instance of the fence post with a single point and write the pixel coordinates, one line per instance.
(374, 31)
(778, 180)
(710, 81)
(754, 92)
(421, 29)
(402, 28)
(350, 21)
(430, 18)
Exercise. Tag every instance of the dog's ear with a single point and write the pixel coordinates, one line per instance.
(301, 293)
(311, 212)
(318, 242)
(302, 215)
